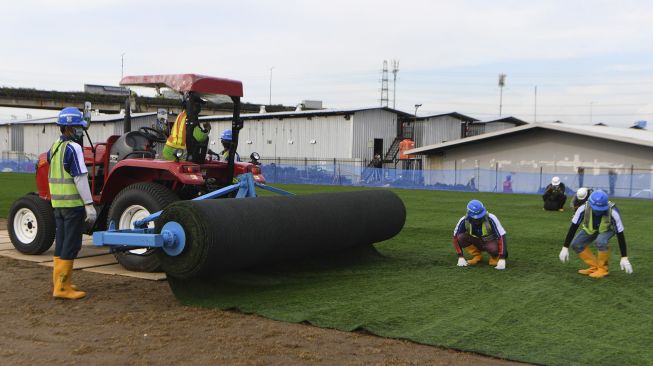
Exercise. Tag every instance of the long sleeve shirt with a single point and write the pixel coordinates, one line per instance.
(477, 230)
(617, 225)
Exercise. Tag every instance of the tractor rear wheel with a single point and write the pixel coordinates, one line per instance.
(133, 203)
(31, 224)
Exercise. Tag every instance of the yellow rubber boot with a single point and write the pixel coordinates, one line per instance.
(602, 265)
(55, 260)
(63, 271)
(588, 257)
(493, 261)
(475, 253)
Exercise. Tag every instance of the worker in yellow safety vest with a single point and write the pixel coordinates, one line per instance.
(599, 220)
(176, 144)
(71, 200)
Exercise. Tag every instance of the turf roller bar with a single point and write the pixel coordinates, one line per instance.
(233, 234)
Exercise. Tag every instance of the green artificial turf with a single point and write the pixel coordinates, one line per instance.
(537, 310)
(12, 187)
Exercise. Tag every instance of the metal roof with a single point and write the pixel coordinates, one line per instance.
(457, 115)
(99, 118)
(625, 135)
(508, 119)
(298, 114)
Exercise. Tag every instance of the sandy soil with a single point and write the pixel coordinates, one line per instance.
(126, 321)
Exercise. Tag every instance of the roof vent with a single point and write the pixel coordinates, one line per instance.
(299, 108)
(640, 125)
(262, 109)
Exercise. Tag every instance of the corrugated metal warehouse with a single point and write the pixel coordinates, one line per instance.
(35, 136)
(440, 128)
(345, 134)
(355, 134)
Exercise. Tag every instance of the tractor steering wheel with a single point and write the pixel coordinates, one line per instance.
(152, 134)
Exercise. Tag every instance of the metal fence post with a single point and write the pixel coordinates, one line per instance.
(630, 191)
(540, 186)
(496, 177)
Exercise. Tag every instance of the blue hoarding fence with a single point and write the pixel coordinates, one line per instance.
(631, 184)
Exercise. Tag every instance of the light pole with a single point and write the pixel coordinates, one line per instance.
(122, 65)
(270, 100)
(416, 106)
(502, 82)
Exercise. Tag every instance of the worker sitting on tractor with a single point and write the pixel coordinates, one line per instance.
(479, 231)
(599, 220)
(554, 196)
(175, 147)
(71, 200)
(226, 140)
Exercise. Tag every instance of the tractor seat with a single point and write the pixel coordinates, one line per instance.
(131, 145)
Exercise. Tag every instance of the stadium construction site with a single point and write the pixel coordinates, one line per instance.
(227, 239)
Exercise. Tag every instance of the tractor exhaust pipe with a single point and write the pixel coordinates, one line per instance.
(127, 124)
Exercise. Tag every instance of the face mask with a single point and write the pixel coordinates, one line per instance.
(78, 133)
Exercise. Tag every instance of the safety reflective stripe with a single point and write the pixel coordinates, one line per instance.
(588, 220)
(63, 192)
(65, 197)
(177, 138)
(61, 180)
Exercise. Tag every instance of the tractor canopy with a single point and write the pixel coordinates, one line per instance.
(187, 82)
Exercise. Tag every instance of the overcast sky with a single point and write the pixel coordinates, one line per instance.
(591, 61)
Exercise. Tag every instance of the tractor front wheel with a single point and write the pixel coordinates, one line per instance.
(31, 224)
(132, 204)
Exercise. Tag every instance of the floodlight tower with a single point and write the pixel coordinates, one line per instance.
(502, 82)
(384, 84)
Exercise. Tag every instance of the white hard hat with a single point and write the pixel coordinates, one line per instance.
(581, 193)
(555, 181)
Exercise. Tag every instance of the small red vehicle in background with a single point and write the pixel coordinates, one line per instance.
(129, 182)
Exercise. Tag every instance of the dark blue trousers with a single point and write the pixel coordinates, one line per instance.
(70, 228)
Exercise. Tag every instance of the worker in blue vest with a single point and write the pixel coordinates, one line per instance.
(71, 200)
(480, 231)
(599, 220)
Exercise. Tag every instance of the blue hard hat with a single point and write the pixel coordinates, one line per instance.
(475, 209)
(71, 116)
(599, 201)
(226, 135)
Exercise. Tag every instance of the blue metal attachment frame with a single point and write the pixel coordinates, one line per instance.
(172, 238)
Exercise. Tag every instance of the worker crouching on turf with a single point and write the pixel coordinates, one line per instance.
(554, 195)
(71, 200)
(480, 231)
(581, 196)
(599, 219)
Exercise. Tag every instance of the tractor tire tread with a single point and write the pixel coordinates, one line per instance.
(45, 221)
(161, 197)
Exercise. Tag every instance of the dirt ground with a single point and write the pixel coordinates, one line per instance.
(127, 321)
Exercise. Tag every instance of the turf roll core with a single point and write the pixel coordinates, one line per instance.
(226, 235)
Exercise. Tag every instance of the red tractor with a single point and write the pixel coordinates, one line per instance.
(128, 182)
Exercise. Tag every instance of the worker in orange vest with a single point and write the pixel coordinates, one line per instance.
(176, 144)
